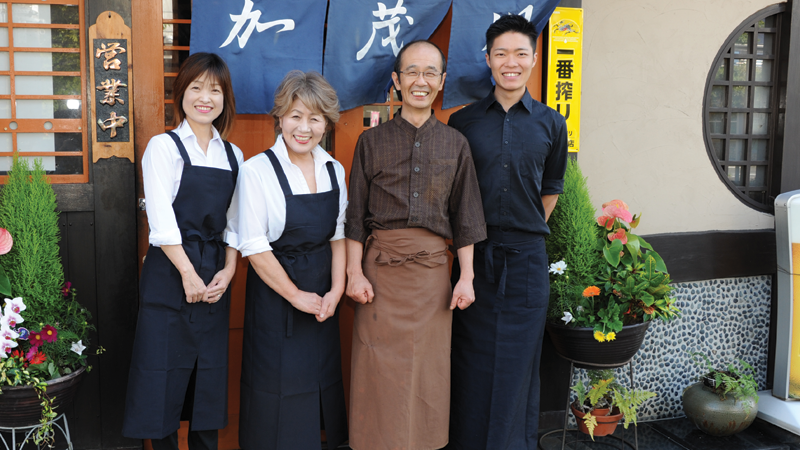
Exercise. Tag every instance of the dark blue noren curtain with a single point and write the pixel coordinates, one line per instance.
(363, 38)
(261, 40)
(468, 76)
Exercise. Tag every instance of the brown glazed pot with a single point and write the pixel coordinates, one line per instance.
(605, 424)
(714, 416)
(580, 346)
(20, 406)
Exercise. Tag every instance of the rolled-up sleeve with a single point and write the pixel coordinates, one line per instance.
(160, 169)
(355, 227)
(556, 163)
(251, 211)
(466, 207)
(341, 219)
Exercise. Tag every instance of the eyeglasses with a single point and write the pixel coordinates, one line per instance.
(413, 74)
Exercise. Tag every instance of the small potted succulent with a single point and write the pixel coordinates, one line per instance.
(725, 400)
(603, 402)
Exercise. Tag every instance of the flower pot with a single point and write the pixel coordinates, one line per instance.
(718, 417)
(580, 346)
(606, 424)
(20, 406)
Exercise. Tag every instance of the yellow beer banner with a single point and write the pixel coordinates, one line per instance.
(564, 69)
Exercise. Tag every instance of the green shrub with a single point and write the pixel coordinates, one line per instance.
(573, 239)
(28, 212)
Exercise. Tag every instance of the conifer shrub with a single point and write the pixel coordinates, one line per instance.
(28, 212)
(573, 239)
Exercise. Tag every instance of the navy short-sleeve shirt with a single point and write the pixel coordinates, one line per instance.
(519, 155)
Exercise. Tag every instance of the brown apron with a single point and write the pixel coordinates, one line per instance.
(400, 385)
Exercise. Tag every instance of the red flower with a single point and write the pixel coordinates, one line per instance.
(17, 354)
(36, 339)
(37, 358)
(606, 221)
(49, 334)
(65, 290)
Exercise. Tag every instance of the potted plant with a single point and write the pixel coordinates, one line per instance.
(603, 402)
(44, 329)
(725, 400)
(604, 278)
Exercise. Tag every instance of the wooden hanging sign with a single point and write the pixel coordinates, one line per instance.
(111, 81)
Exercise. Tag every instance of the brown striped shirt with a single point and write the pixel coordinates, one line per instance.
(407, 177)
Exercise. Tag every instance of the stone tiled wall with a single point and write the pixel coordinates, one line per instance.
(726, 319)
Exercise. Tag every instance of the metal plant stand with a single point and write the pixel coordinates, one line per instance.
(29, 432)
(583, 365)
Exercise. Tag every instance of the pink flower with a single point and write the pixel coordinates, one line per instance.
(5, 241)
(618, 213)
(618, 203)
(65, 290)
(619, 233)
(49, 334)
(605, 221)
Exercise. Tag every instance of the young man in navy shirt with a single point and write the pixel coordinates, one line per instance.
(519, 147)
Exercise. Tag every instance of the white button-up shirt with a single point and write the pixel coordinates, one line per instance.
(257, 215)
(162, 168)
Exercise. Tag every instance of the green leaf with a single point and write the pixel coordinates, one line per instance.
(611, 252)
(644, 243)
(660, 266)
(5, 284)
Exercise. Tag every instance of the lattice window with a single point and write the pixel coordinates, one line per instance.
(42, 87)
(744, 109)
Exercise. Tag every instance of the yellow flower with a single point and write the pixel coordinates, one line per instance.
(599, 336)
(611, 336)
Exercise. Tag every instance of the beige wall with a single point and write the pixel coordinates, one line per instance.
(645, 69)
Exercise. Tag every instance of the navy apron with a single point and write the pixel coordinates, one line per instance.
(291, 364)
(175, 338)
(497, 345)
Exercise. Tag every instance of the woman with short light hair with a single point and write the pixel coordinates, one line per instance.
(290, 203)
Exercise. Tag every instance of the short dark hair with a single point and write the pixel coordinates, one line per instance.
(214, 66)
(511, 23)
(398, 62)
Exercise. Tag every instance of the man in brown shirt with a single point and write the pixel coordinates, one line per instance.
(412, 185)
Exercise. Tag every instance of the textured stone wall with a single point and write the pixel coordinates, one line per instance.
(726, 319)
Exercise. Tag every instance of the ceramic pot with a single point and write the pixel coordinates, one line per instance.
(718, 417)
(20, 406)
(580, 346)
(606, 424)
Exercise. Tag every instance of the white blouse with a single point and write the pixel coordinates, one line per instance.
(162, 168)
(257, 215)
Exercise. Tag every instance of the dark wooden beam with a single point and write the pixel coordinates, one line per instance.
(716, 254)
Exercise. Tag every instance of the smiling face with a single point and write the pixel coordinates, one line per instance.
(419, 92)
(302, 129)
(203, 102)
(511, 59)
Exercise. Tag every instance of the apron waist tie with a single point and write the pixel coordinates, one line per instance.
(287, 261)
(423, 257)
(491, 246)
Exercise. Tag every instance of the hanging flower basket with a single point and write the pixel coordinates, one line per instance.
(21, 407)
(580, 346)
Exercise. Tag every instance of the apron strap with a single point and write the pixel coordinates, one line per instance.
(276, 165)
(181, 148)
(332, 174)
(232, 160)
(504, 249)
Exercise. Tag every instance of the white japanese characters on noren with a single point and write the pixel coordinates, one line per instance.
(248, 14)
(390, 23)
